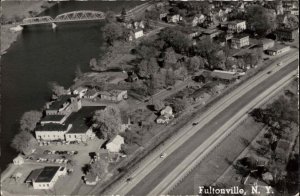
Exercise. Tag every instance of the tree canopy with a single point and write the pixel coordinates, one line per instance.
(29, 120)
(108, 121)
(24, 142)
(99, 168)
(112, 32)
(57, 89)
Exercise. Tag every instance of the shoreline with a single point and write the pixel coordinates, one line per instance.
(8, 37)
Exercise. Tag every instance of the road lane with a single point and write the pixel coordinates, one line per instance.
(150, 181)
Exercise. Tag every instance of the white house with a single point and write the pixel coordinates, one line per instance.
(162, 120)
(80, 91)
(19, 160)
(198, 20)
(51, 131)
(47, 177)
(240, 41)
(116, 144)
(236, 26)
(167, 111)
(135, 34)
(91, 179)
(81, 135)
(174, 18)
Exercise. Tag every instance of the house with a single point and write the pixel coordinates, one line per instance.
(174, 18)
(80, 91)
(191, 32)
(91, 94)
(267, 43)
(135, 34)
(167, 111)
(224, 75)
(91, 179)
(81, 135)
(198, 95)
(45, 178)
(115, 144)
(56, 119)
(162, 120)
(277, 49)
(211, 33)
(163, 15)
(64, 105)
(286, 34)
(114, 95)
(19, 160)
(51, 131)
(198, 19)
(236, 26)
(139, 24)
(239, 41)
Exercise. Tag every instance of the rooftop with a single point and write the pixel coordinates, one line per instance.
(240, 36)
(52, 127)
(91, 92)
(235, 21)
(79, 119)
(47, 174)
(58, 103)
(53, 118)
(33, 175)
(277, 47)
(223, 74)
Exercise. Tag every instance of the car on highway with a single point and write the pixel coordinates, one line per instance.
(146, 100)
(163, 155)
(279, 64)
(128, 180)
(269, 72)
(169, 88)
(195, 123)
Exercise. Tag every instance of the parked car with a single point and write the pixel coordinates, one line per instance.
(163, 155)
(195, 123)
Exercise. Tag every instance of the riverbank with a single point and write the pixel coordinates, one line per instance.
(14, 12)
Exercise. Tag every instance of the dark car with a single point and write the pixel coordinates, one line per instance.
(195, 123)
(269, 72)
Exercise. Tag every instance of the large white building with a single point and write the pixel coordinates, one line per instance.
(236, 26)
(51, 131)
(45, 178)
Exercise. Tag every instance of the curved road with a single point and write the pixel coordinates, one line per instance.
(150, 181)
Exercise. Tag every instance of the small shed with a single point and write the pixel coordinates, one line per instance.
(19, 160)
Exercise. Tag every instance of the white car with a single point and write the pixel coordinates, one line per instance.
(163, 155)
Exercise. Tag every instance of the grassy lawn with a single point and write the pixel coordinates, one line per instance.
(220, 158)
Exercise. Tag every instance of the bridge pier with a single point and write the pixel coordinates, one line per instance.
(53, 25)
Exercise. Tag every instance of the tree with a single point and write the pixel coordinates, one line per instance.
(110, 17)
(78, 71)
(112, 32)
(56, 89)
(169, 58)
(292, 21)
(107, 121)
(24, 142)
(179, 105)
(99, 168)
(152, 14)
(176, 39)
(170, 77)
(29, 120)
(148, 67)
(260, 20)
(195, 64)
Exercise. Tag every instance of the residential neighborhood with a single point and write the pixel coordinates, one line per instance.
(169, 89)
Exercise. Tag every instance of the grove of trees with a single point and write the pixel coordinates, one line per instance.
(24, 142)
(29, 120)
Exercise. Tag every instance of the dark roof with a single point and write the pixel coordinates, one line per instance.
(91, 92)
(58, 103)
(53, 118)
(52, 127)
(79, 119)
(239, 36)
(33, 175)
(47, 174)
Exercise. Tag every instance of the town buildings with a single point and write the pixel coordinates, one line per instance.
(239, 41)
(135, 34)
(115, 144)
(113, 95)
(267, 43)
(166, 115)
(224, 75)
(19, 160)
(236, 26)
(286, 34)
(45, 178)
(174, 18)
(277, 49)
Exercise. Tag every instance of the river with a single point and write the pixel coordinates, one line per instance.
(42, 55)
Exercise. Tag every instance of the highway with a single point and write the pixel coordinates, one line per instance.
(154, 168)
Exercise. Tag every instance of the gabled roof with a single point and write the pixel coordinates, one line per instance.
(58, 103)
(53, 118)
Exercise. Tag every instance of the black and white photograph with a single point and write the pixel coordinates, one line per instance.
(149, 98)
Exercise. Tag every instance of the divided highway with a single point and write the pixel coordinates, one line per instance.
(145, 178)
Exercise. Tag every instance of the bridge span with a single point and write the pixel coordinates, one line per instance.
(83, 15)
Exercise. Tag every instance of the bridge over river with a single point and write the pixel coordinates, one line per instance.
(81, 15)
